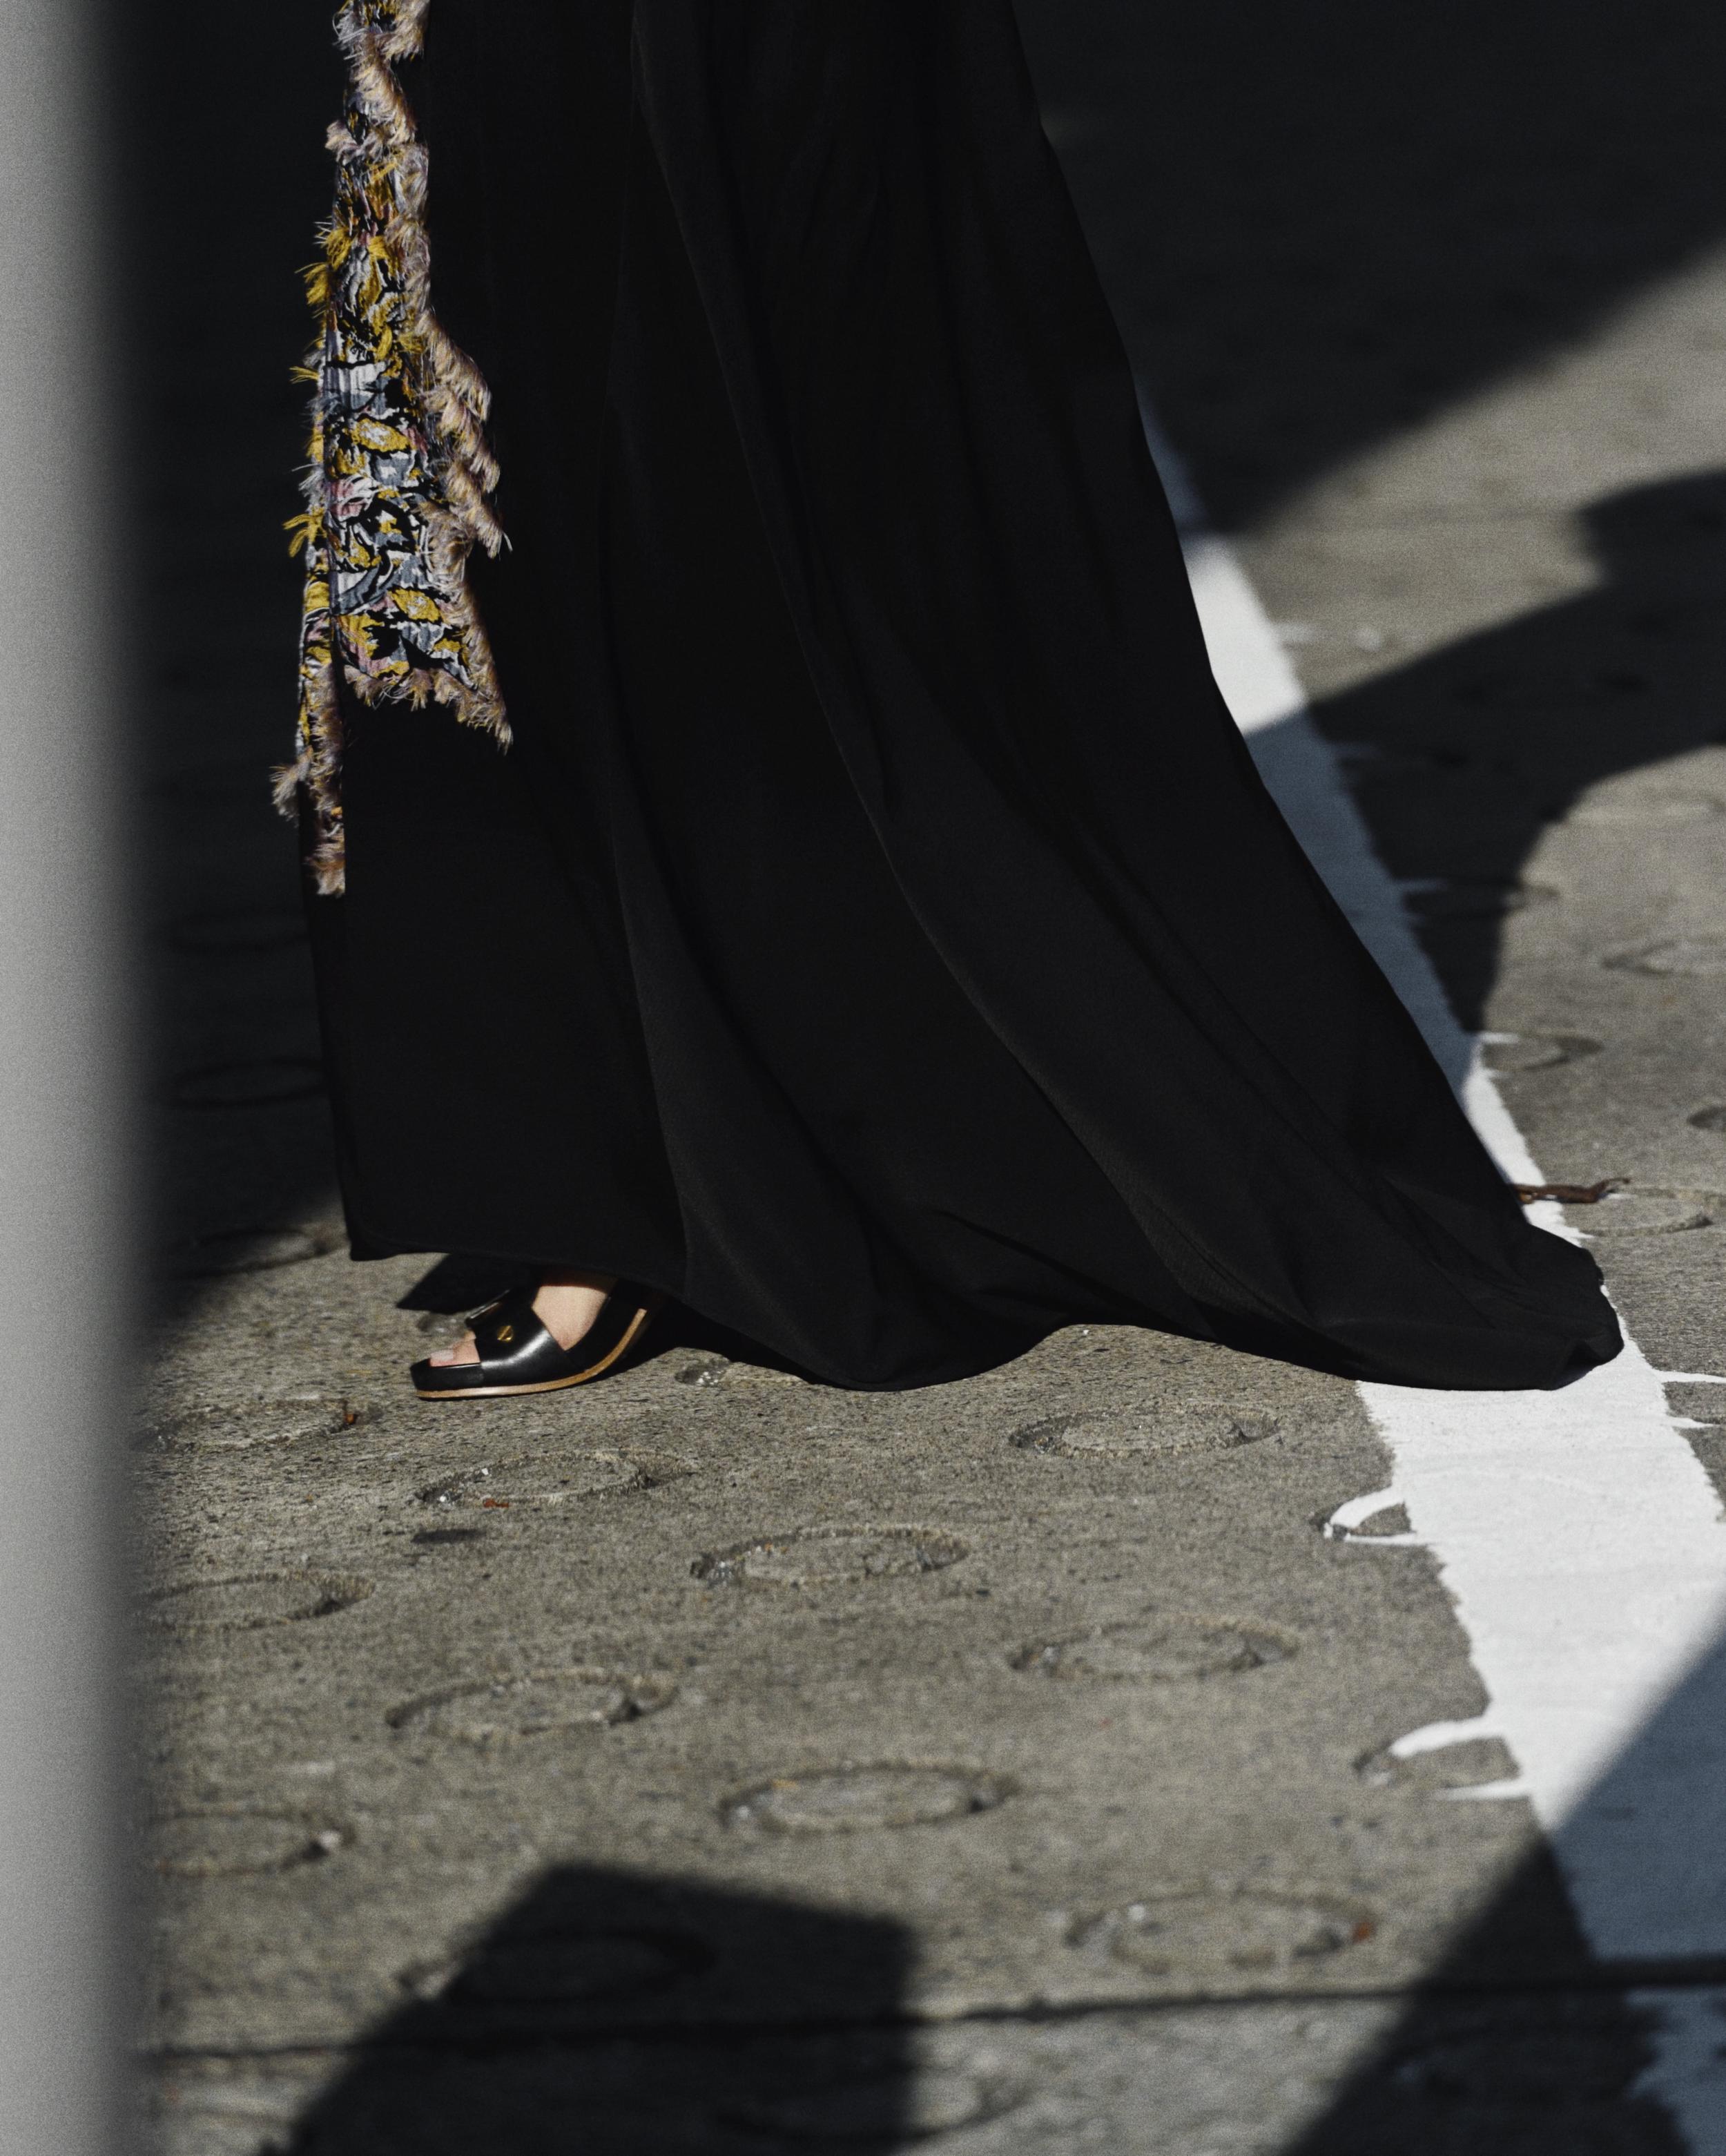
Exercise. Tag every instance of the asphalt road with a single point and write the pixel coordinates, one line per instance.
(718, 1763)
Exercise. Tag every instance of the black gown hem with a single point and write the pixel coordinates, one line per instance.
(1516, 1361)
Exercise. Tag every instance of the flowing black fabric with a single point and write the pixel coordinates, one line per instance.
(879, 935)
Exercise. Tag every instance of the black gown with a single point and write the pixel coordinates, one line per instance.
(877, 935)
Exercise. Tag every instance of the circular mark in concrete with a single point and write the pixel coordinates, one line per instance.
(245, 930)
(1660, 808)
(1465, 1766)
(1700, 957)
(1171, 1649)
(560, 1966)
(1203, 1932)
(1644, 1212)
(250, 1251)
(1514, 1054)
(537, 1481)
(249, 1601)
(1709, 1119)
(267, 1083)
(881, 2109)
(1137, 1433)
(848, 1799)
(239, 1841)
(817, 1556)
(251, 1425)
(539, 1703)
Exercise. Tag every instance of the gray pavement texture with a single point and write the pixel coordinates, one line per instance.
(713, 1762)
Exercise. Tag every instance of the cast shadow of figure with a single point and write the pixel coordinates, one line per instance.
(1460, 761)
(1500, 2058)
(621, 2015)
(1320, 225)
(1531, 2039)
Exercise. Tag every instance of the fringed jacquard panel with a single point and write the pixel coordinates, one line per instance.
(396, 495)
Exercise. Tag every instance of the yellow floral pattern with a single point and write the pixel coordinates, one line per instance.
(397, 493)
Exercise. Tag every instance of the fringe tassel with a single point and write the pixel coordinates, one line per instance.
(399, 471)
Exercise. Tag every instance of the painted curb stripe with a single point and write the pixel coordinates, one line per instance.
(1577, 1531)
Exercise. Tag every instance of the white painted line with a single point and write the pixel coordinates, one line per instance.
(1576, 1530)
(1584, 1547)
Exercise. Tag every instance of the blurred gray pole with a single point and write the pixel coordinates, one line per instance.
(65, 1233)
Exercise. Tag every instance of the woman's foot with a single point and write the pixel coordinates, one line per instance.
(566, 1305)
(576, 1327)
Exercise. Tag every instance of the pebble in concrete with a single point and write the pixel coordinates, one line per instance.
(537, 1703)
(1129, 1433)
(531, 1479)
(847, 1800)
(238, 1841)
(1201, 1932)
(814, 1557)
(1157, 1650)
(249, 1601)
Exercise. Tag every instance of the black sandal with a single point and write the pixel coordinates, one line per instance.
(517, 1354)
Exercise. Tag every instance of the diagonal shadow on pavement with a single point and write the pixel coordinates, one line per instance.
(1463, 759)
